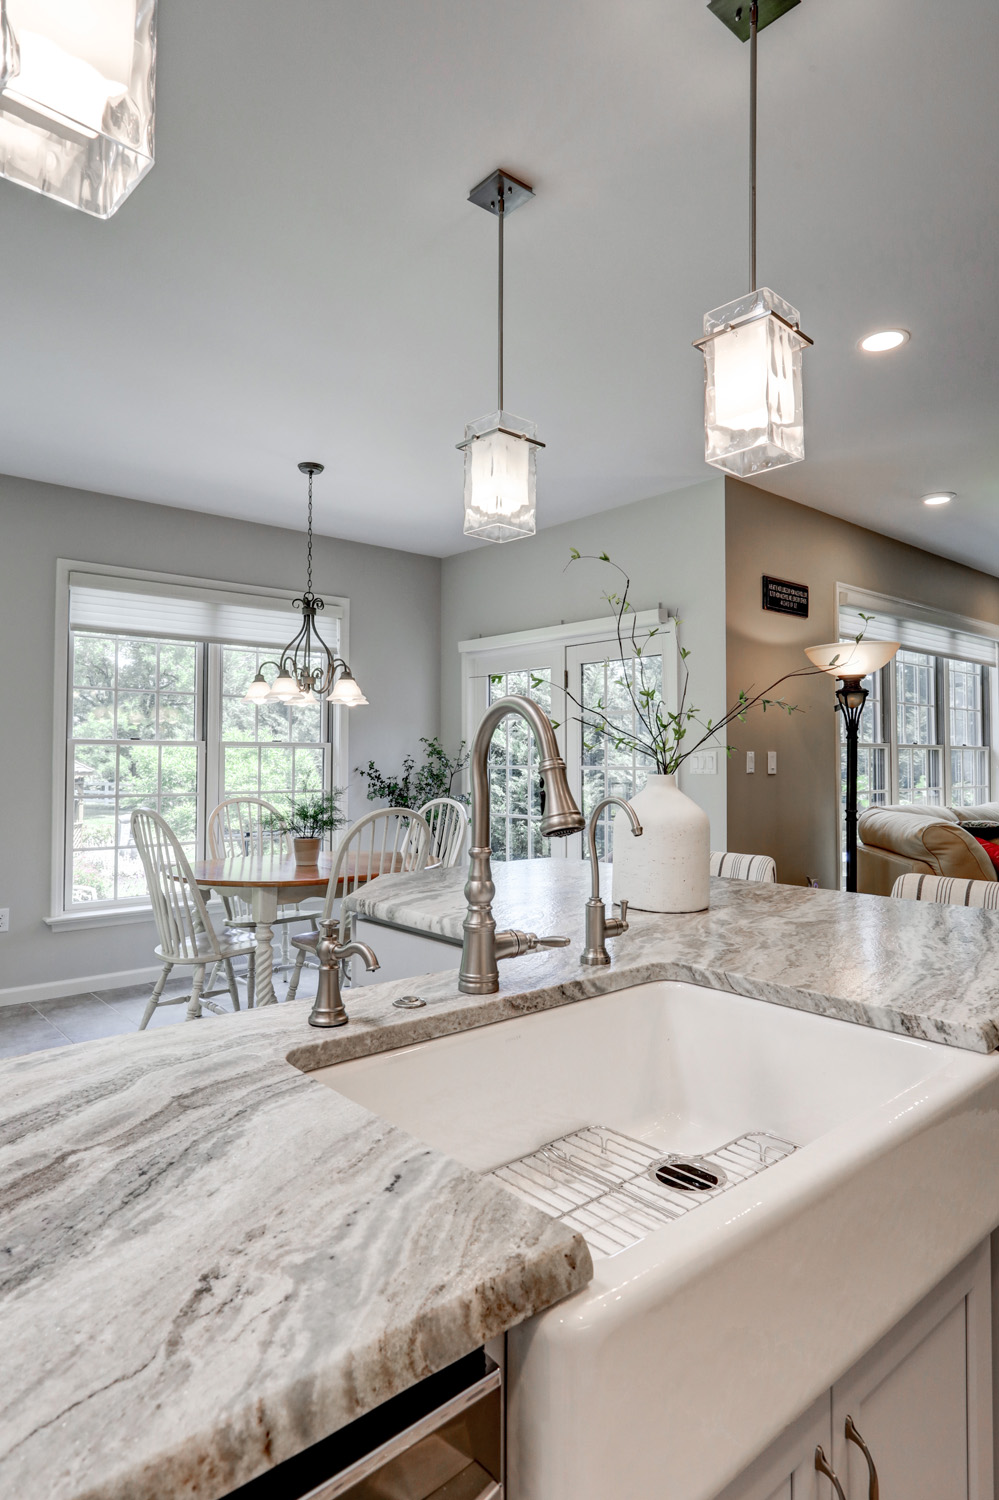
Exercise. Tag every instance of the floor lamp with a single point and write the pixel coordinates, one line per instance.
(851, 662)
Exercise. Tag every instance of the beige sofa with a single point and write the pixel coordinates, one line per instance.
(903, 840)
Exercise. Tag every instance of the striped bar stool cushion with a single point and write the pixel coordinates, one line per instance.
(945, 889)
(745, 866)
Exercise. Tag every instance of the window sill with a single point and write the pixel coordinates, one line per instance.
(79, 921)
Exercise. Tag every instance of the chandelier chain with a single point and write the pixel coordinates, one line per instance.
(753, 19)
(309, 585)
(500, 215)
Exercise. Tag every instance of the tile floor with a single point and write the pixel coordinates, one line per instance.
(98, 1013)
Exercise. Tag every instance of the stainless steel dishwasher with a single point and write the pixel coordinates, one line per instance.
(440, 1440)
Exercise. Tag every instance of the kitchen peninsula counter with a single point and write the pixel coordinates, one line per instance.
(209, 1261)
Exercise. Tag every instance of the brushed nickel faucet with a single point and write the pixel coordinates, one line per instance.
(329, 1009)
(598, 926)
(482, 944)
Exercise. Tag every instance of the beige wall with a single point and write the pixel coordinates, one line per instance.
(794, 815)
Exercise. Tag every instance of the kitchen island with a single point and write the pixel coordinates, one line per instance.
(211, 1261)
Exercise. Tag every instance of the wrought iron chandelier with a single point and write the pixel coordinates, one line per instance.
(307, 668)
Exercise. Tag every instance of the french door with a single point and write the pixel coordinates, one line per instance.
(569, 672)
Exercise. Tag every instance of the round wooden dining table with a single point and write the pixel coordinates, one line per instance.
(268, 880)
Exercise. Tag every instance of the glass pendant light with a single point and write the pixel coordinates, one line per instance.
(77, 80)
(501, 450)
(753, 414)
(307, 670)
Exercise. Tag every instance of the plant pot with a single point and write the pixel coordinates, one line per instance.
(307, 851)
(667, 868)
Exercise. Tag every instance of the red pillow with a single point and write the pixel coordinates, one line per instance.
(992, 850)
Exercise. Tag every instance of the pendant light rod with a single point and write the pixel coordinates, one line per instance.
(500, 219)
(753, 24)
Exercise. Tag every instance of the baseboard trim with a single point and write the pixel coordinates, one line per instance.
(54, 989)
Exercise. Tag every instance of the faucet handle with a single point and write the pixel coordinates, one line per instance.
(623, 906)
(546, 942)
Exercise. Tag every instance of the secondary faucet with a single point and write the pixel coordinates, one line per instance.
(482, 944)
(329, 1009)
(598, 926)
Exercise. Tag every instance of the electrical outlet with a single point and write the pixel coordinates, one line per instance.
(750, 761)
(4, 918)
(771, 762)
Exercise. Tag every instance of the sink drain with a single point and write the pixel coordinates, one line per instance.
(691, 1174)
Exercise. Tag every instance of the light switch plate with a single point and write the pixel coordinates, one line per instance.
(4, 918)
(704, 763)
(750, 761)
(771, 762)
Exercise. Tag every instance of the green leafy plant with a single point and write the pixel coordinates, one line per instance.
(312, 814)
(412, 788)
(659, 732)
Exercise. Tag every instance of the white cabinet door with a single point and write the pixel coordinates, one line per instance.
(786, 1471)
(921, 1399)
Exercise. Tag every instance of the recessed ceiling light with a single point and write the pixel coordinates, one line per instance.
(887, 338)
(939, 497)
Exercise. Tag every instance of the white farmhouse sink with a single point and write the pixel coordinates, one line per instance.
(691, 1349)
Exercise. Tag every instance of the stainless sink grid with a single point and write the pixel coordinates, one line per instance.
(598, 1181)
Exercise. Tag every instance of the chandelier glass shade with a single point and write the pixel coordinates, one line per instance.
(501, 450)
(307, 670)
(753, 411)
(77, 89)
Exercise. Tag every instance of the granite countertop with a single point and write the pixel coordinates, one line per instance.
(910, 967)
(209, 1261)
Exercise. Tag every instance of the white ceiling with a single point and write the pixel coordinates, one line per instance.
(301, 276)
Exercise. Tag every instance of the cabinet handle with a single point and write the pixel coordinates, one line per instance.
(853, 1436)
(823, 1466)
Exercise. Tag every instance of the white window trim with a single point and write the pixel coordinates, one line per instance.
(854, 597)
(63, 920)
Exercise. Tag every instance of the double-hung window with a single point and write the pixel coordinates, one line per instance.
(155, 672)
(925, 733)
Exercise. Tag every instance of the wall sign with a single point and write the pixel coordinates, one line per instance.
(786, 598)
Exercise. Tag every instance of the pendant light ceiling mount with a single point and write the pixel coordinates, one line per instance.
(501, 450)
(752, 346)
(735, 14)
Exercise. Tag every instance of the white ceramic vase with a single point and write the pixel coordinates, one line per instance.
(667, 868)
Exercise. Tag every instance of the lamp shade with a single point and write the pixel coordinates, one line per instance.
(346, 690)
(852, 658)
(753, 412)
(76, 98)
(501, 461)
(259, 689)
(284, 687)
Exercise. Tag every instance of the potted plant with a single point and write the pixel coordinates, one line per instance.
(414, 788)
(311, 816)
(667, 869)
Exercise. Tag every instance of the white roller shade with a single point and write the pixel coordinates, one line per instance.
(132, 606)
(918, 635)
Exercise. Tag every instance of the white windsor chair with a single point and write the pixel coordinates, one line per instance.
(391, 840)
(185, 929)
(448, 822)
(243, 826)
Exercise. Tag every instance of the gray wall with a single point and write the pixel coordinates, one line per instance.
(794, 815)
(672, 547)
(394, 651)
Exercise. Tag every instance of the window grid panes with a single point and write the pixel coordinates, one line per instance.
(134, 743)
(924, 735)
(268, 750)
(920, 754)
(514, 781)
(610, 768)
(162, 724)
